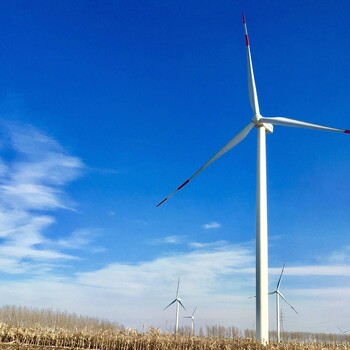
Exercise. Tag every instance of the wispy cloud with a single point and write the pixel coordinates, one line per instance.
(217, 278)
(78, 239)
(24, 245)
(341, 256)
(211, 225)
(314, 270)
(175, 239)
(34, 169)
(137, 293)
(207, 245)
(198, 265)
(34, 176)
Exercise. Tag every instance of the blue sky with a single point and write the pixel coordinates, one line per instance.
(106, 107)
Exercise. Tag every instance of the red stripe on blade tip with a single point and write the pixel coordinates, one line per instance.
(185, 183)
(243, 17)
(347, 131)
(162, 202)
(246, 40)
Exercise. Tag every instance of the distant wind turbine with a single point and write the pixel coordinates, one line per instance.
(263, 125)
(178, 302)
(344, 332)
(278, 295)
(192, 320)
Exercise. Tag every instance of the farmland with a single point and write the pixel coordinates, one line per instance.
(24, 328)
(46, 338)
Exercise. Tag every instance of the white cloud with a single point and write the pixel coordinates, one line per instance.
(31, 196)
(198, 245)
(35, 176)
(218, 280)
(174, 239)
(133, 294)
(81, 239)
(201, 245)
(341, 256)
(207, 266)
(314, 270)
(32, 184)
(211, 225)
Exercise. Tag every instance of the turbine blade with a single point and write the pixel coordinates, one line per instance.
(232, 143)
(170, 304)
(177, 290)
(299, 124)
(281, 295)
(279, 280)
(272, 292)
(253, 97)
(194, 311)
(181, 304)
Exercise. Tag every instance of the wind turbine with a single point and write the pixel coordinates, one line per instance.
(278, 295)
(263, 125)
(178, 302)
(192, 320)
(343, 332)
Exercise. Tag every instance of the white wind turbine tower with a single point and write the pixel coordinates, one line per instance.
(192, 320)
(263, 125)
(178, 302)
(278, 295)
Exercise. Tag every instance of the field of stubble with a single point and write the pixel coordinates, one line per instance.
(13, 338)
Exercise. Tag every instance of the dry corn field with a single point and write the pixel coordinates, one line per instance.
(12, 338)
(61, 330)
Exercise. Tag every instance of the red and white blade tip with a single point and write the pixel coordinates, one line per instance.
(245, 30)
(160, 203)
(185, 183)
(178, 189)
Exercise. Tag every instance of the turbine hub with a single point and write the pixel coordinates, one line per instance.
(256, 118)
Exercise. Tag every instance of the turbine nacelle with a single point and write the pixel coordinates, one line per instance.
(256, 120)
(268, 127)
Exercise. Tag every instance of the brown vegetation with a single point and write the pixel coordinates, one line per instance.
(38, 337)
(18, 316)
(31, 329)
